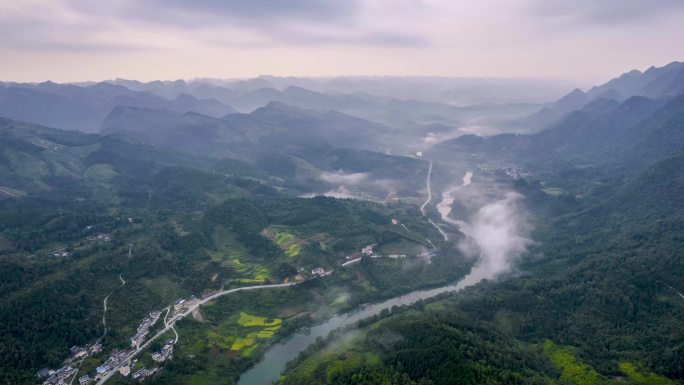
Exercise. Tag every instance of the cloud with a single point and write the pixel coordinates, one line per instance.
(496, 236)
(341, 178)
(270, 10)
(151, 39)
(605, 12)
(339, 193)
(298, 22)
(75, 25)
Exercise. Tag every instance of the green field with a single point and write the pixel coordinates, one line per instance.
(573, 371)
(286, 241)
(252, 320)
(640, 378)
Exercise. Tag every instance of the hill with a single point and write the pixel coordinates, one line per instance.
(655, 83)
(83, 108)
(632, 133)
(599, 303)
(275, 127)
(82, 213)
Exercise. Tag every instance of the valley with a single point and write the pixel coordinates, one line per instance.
(196, 232)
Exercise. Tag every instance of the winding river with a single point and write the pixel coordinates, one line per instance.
(269, 369)
(273, 364)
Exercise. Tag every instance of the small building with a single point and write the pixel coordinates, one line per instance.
(368, 250)
(140, 374)
(166, 352)
(85, 380)
(96, 348)
(64, 371)
(319, 271)
(106, 366)
(119, 356)
(104, 237)
(77, 351)
(178, 306)
(45, 373)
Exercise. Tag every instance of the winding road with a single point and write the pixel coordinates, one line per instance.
(675, 290)
(169, 325)
(427, 201)
(104, 313)
(429, 198)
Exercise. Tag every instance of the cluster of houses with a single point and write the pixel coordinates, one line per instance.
(56, 377)
(76, 352)
(100, 237)
(516, 173)
(144, 328)
(367, 251)
(117, 357)
(356, 257)
(182, 305)
(142, 373)
(166, 352)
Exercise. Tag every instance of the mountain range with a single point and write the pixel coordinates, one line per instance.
(83, 108)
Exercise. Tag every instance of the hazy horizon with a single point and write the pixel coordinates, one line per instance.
(580, 41)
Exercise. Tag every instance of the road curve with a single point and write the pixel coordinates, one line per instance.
(104, 312)
(427, 182)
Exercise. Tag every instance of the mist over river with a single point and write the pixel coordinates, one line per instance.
(494, 236)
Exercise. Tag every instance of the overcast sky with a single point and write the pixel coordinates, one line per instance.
(587, 40)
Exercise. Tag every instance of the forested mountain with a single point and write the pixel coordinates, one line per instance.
(275, 127)
(182, 197)
(79, 211)
(600, 302)
(401, 108)
(442, 90)
(83, 108)
(655, 83)
(598, 298)
(634, 132)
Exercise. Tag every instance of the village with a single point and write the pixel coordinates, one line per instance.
(90, 240)
(123, 361)
(120, 359)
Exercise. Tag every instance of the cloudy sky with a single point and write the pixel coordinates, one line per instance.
(587, 40)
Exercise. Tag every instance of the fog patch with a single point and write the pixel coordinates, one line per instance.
(340, 192)
(342, 178)
(467, 178)
(433, 138)
(496, 236)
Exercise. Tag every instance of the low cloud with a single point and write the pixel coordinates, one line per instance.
(342, 178)
(339, 193)
(496, 236)
(604, 12)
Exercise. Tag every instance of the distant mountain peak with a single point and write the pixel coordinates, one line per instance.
(632, 73)
(278, 106)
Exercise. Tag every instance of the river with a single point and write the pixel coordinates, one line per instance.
(269, 369)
